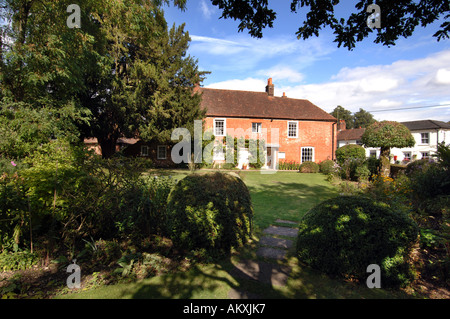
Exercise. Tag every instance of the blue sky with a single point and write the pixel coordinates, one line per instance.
(413, 73)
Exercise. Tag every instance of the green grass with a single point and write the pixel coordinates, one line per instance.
(284, 195)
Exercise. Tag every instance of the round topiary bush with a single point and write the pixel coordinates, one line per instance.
(211, 211)
(350, 151)
(344, 235)
(309, 167)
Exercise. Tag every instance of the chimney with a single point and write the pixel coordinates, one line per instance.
(270, 88)
(284, 95)
(342, 125)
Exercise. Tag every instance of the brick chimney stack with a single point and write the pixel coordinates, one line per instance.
(270, 88)
(342, 125)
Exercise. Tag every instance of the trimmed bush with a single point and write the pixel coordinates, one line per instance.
(350, 151)
(327, 167)
(309, 167)
(210, 211)
(344, 235)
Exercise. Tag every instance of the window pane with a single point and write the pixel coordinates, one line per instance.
(256, 127)
(292, 129)
(307, 155)
(220, 128)
(161, 152)
(425, 138)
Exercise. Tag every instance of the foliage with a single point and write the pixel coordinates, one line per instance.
(350, 151)
(344, 235)
(19, 260)
(402, 17)
(309, 167)
(363, 119)
(14, 211)
(374, 165)
(327, 167)
(288, 165)
(343, 114)
(430, 181)
(359, 119)
(388, 134)
(210, 211)
(123, 73)
(443, 155)
(71, 194)
(255, 148)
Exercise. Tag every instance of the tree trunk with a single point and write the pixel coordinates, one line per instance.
(385, 169)
(108, 146)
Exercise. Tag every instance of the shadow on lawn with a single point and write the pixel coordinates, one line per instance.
(213, 283)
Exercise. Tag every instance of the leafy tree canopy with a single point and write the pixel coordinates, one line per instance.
(398, 18)
(359, 119)
(388, 134)
(123, 73)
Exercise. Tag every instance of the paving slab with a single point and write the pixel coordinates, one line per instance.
(276, 242)
(274, 274)
(282, 221)
(281, 231)
(238, 294)
(269, 252)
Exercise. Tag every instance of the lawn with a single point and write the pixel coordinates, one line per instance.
(284, 195)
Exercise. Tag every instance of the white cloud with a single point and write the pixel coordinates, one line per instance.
(282, 72)
(443, 76)
(404, 83)
(238, 53)
(248, 84)
(206, 9)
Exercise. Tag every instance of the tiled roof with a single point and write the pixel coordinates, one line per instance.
(245, 104)
(349, 135)
(426, 125)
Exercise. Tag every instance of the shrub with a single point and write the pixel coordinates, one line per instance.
(211, 211)
(309, 167)
(417, 166)
(344, 235)
(433, 180)
(350, 151)
(354, 169)
(327, 167)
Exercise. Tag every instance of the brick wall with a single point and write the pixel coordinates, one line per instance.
(316, 134)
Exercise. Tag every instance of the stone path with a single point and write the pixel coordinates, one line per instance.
(272, 251)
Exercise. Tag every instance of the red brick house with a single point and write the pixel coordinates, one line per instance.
(293, 129)
(305, 132)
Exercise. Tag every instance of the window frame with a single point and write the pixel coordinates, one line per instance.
(147, 153)
(165, 152)
(427, 138)
(425, 156)
(313, 154)
(258, 127)
(224, 127)
(405, 157)
(289, 129)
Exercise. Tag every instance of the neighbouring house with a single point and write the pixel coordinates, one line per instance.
(294, 130)
(121, 144)
(427, 134)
